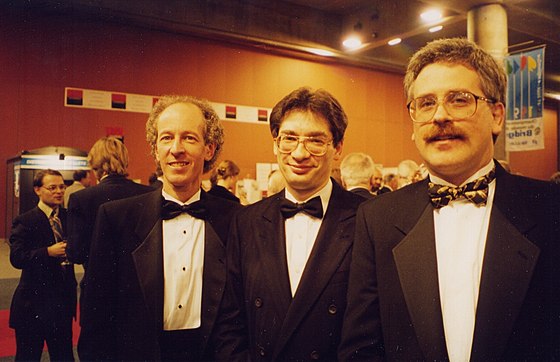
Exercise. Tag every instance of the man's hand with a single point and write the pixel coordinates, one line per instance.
(57, 250)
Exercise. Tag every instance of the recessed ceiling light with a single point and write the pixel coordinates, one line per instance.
(352, 42)
(431, 16)
(394, 41)
(435, 28)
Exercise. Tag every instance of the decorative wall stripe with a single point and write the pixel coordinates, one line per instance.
(130, 102)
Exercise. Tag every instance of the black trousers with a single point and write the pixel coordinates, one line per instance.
(181, 345)
(31, 337)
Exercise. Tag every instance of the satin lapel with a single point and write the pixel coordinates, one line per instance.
(332, 244)
(214, 277)
(148, 256)
(509, 262)
(415, 259)
(272, 242)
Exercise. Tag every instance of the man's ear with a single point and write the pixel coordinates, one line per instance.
(210, 149)
(498, 118)
(338, 151)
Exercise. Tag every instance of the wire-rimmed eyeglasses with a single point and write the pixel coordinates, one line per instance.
(317, 146)
(53, 188)
(458, 105)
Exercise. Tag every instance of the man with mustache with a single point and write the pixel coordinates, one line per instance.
(156, 271)
(471, 271)
(289, 254)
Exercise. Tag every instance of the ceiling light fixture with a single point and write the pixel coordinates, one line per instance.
(394, 41)
(321, 52)
(431, 16)
(352, 43)
(435, 28)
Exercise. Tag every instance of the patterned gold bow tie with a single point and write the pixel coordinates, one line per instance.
(475, 191)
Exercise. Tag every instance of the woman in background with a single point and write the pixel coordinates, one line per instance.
(224, 180)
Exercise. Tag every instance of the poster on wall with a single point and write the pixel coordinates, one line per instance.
(525, 99)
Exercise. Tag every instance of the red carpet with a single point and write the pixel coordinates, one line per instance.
(8, 338)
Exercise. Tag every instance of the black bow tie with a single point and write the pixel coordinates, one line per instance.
(313, 207)
(475, 191)
(172, 209)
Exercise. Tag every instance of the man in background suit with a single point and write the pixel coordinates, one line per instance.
(156, 271)
(108, 158)
(81, 181)
(377, 187)
(356, 172)
(287, 270)
(470, 271)
(44, 301)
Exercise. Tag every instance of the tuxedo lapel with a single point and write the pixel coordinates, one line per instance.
(271, 234)
(148, 256)
(509, 262)
(214, 276)
(415, 259)
(332, 244)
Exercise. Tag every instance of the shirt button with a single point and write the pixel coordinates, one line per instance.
(314, 355)
(184, 268)
(258, 302)
(332, 309)
(184, 231)
(180, 306)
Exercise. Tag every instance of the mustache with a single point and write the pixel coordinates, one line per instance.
(443, 132)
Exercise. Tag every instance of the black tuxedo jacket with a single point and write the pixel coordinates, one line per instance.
(260, 320)
(123, 308)
(82, 210)
(362, 192)
(394, 295)
(46, 290)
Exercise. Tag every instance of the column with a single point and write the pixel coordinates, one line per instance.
(487, 27)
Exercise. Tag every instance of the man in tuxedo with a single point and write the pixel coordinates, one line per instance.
(108, 158)
(470, 271)
(156, 270)
(356, 173)
(44, 302)
(377, 187)
(289, 254)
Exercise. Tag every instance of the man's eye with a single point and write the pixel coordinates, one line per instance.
(316, 141)
(459, 99)
(287, 138)
(425, 103)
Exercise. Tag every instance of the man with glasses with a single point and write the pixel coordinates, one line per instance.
(470, 271)
(44, 301)
(289, 254)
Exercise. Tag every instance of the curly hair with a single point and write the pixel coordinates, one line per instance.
(319, 102)
(492, 76)
(213, 131)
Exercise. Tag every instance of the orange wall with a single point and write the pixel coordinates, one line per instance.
(42, 54)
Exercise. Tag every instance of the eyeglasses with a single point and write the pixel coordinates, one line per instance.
(53, 188)
(458, 105)
(317, 146)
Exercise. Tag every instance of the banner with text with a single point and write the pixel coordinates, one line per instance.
(525, 99)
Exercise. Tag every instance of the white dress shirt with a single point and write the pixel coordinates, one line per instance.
(301, 231)
(461, 229)
(183, 261)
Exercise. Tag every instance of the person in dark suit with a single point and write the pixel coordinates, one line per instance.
(461, 266)
(356, 173)
(377, 186)
(287, 270)
(224, 180)
(156, 271)
(108, 158)
(44, 302)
